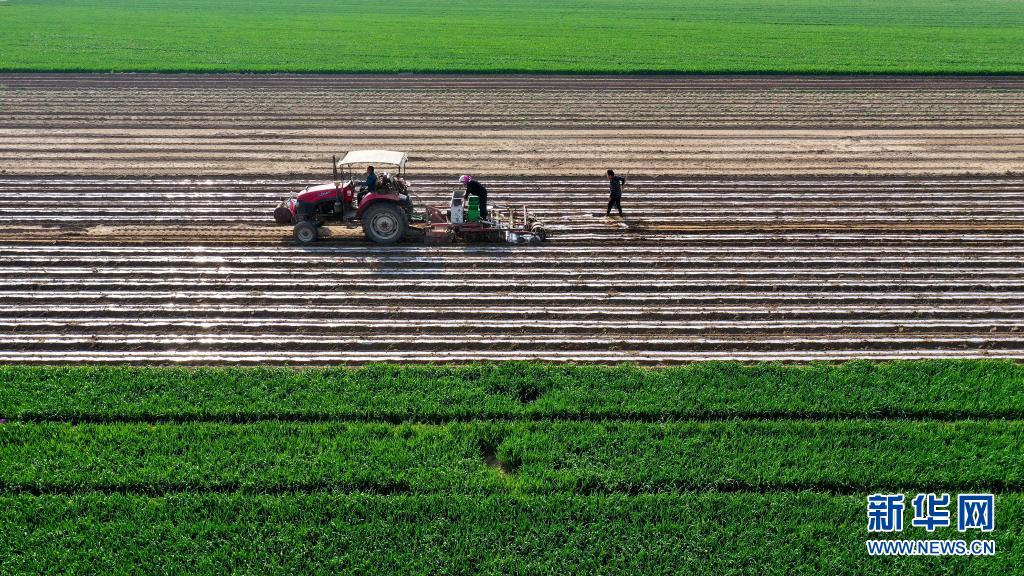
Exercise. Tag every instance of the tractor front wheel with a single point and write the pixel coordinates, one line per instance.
(282, 215)
(305, 232)
(385, 223)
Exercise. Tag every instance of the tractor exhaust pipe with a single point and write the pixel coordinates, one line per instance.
(338, 207)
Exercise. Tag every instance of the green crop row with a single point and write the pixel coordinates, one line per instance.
(709, 468)
(700, 534)
(703, 36)
(520, 457)
(940, 389)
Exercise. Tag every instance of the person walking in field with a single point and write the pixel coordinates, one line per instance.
(474, 188)
(615, 197)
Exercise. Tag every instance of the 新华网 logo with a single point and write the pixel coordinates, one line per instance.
(931, 511)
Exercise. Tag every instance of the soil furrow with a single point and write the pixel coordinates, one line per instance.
(767, 218)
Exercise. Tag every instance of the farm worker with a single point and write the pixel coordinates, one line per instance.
(477, 189)
(369, 185)
(615, 198)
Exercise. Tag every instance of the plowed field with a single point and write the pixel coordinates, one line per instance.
(788, 218)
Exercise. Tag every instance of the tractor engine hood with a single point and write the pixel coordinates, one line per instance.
(317, 193)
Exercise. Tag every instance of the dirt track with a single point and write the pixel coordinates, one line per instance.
(782, 218)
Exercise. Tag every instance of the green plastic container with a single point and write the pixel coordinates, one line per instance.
(473, 212)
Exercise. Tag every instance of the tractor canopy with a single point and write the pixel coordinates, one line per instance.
(375, 157)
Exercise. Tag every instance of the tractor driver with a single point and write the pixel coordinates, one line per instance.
(368, 185)
(474, 188)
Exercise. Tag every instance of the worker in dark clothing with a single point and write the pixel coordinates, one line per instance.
(474, 188)
(369, 185)
(615, 198)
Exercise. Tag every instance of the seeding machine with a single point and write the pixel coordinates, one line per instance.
(387, 214)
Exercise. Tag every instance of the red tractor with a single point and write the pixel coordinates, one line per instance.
(384, 213)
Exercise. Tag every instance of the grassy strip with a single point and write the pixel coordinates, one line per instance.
(699, 534)
(939, 389)
(703, 36)
(534, 457)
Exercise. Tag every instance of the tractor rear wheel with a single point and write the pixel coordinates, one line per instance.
(305, 232)
(385, 223)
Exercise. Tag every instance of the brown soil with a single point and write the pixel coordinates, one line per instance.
(786, 218)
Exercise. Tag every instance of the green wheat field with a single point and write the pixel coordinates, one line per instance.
(573, 36)
(498, 468)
